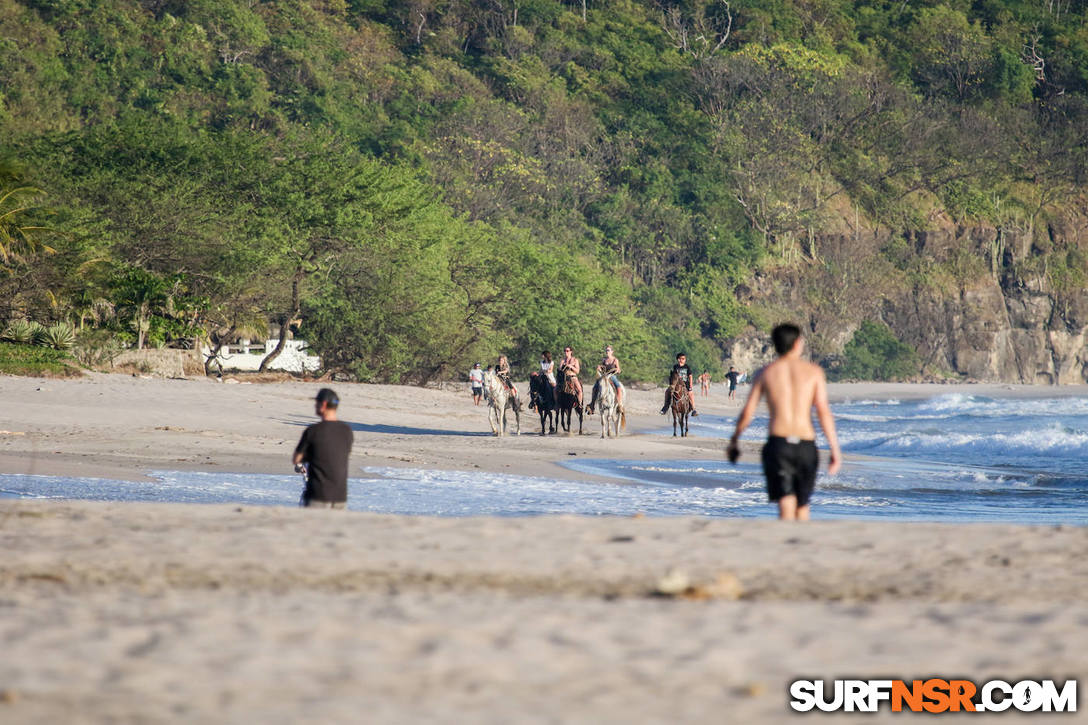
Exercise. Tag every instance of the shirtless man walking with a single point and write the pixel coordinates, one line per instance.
(793, 387)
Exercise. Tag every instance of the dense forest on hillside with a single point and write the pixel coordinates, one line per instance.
(413, 185)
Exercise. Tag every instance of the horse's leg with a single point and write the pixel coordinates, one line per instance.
(674, 425)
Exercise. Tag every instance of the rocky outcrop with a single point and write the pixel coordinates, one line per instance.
(996, 319)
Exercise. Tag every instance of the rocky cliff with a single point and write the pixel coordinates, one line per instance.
(977, 304)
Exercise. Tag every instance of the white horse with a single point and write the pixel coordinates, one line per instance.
(498, 402)
(613, 417)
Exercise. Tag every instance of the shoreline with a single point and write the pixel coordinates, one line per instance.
(121, 427)
(240, 613)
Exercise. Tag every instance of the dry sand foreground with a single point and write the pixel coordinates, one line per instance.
(134, 613)
(127, 613)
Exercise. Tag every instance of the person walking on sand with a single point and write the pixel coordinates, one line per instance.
(476, 379)
(793, 387)
(322, 454)
(704, 382)
(683, 370)
(732, 376)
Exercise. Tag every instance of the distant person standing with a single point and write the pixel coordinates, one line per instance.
(322, 453)
(793, 387)
(704, 382)
(733, 377)
(476, 379)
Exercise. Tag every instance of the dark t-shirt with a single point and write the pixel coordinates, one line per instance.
(325, 447)
(732, 377)
(684, 371)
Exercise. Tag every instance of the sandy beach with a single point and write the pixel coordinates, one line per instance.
(119, 426)
(153, 613)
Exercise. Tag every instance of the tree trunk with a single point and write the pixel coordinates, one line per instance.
(285, 322)
(219, 342)
(141, 324)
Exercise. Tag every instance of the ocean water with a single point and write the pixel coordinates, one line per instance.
(949, 458)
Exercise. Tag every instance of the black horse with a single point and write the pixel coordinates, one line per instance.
(542, 397)
(568, 403)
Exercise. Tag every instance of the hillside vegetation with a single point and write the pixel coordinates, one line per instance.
(413, 186)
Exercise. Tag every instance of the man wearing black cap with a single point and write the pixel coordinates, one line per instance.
(323, 450)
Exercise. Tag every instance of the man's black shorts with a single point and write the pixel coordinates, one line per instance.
(790, 466)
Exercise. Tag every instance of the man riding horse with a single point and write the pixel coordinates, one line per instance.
(683, 371)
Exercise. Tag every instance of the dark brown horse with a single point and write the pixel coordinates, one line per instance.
(568, 404)
(680, 403)
(542, 397)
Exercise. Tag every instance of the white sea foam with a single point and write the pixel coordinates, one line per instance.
(951, 458)
(992, 446)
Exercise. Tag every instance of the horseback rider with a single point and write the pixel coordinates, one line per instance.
(683, 371)
(547, 370)
(502, 372)
(608, 369)
(570, 367)
(547, 366)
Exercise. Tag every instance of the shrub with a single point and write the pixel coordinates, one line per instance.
(20, 331)
(875, 353)
(60, 336)
(95, 348)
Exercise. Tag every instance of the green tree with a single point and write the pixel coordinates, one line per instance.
(950, 54)
(875, 353)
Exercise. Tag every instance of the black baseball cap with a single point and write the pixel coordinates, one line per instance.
(328, 396)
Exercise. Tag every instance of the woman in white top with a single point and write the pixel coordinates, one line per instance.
(547, 366)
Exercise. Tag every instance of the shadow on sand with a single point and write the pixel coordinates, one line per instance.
(393, 429)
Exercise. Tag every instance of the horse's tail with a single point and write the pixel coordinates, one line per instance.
(623, 419)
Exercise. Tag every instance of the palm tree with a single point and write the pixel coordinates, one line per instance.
(141, 294)
(19, 238)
